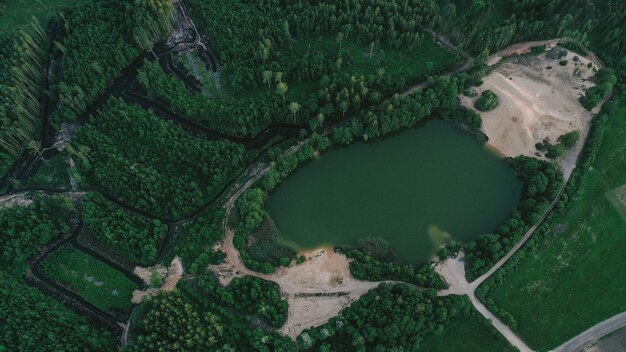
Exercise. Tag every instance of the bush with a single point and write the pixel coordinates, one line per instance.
(487, 101)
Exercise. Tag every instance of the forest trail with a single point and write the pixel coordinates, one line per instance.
(606, 327)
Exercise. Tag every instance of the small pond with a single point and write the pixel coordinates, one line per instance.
(415, 189)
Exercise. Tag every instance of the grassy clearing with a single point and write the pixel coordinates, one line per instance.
(429, 59)
(468, 334)
(53, 174)
(192, 62)
(90, 278)
(577, 278)
(17, 13)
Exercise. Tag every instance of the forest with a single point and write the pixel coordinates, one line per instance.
(131, 236)
(154, 165)
(100, 39)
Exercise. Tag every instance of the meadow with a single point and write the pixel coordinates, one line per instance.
(96, 282)
(467, 334)
(575, 279)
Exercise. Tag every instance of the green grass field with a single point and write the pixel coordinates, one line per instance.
(576, 279)
(91, 279)
(53, 174)
(471, 334)
(17, 13)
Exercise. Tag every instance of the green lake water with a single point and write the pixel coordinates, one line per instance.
(416, 189)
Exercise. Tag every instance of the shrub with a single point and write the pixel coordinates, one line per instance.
(488, 100)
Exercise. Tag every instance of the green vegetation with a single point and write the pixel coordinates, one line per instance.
(24, 229)
(488, 100)
(184, 328)
(233, 116)
(17, 13)
(576, 258)
(373, 260)
(388, 317)
(101, 38)
(22, 60)
(251, 295)
(152, 163)
(5, 163)
(605, 80)
(91, 279)
(260, 256)
(131, 236)
(31, 320)
(265, 245)
(565, 142)
(195, 240)
(188, 320)
(542, 182)
(472, 333)
(53, 174)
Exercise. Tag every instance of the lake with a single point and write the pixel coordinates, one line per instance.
(416, 189)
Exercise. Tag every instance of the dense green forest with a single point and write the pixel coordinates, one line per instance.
(24, 230)
(154, 165)
(131, 236)
(100, 39)
(387, 317)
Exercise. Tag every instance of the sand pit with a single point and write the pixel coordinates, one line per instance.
(538, 100)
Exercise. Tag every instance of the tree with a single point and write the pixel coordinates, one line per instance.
(281, 88)
(339, 40)
(294, 107)
(267, 78)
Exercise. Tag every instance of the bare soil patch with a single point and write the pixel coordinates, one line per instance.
(170, 277)
(538, 100)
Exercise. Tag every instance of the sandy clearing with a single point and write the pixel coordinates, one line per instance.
(171, 277)
(537, 102)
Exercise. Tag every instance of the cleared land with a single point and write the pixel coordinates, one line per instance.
(538, 100)
(91, 279)
(577, 279)
(471, 334)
